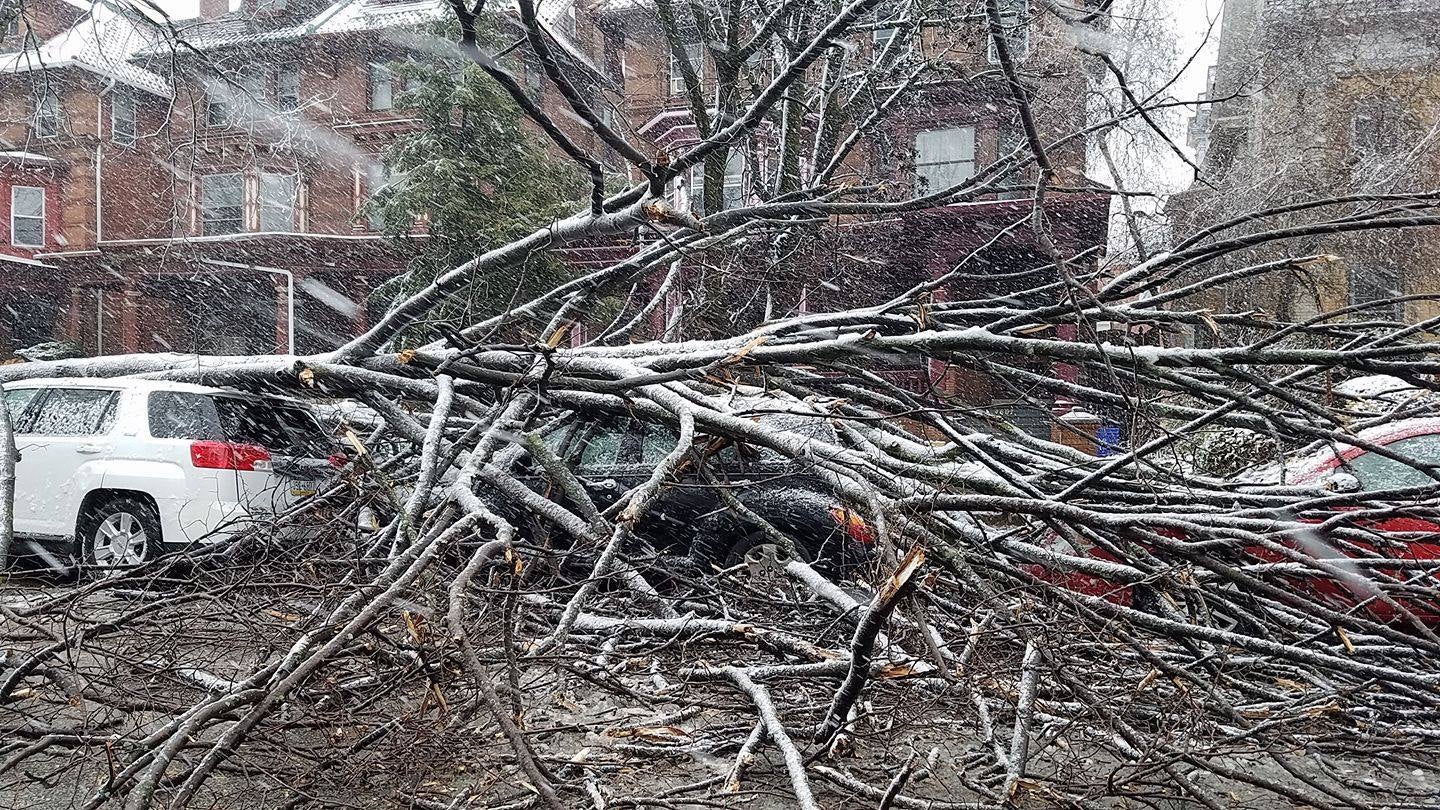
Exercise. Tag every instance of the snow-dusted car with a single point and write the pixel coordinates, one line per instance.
(113, 472)
(612, 456)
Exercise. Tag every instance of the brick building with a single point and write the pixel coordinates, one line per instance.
(168, 199)
(1316, 99)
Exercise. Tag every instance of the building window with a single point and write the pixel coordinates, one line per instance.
(47, 116)
(695, 55)
(734, 194)
(1009, 140)
(217, 103)
(382, 88)
(222, 204)
(880, 40)
(376, 176)
(287, 90)
(1376, 283)
(944, 157)
(1014, 23)
(27, 216)
(277, 202)
(122, 118)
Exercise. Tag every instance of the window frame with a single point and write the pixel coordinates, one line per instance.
(264, 204)
(1016, 22)
(695, 55)
(205, 220)
(219, 110)
(376, 176)
(734, 188)
(104, 421)
(285, 99)
(49, 117)
(15, 215)
(1394, 310)
(922, 165)
(879, 43)
(377, 72)
(127, 136)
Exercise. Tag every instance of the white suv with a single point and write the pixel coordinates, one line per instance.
(117, 471)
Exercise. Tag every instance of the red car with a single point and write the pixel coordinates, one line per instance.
(1347, 469)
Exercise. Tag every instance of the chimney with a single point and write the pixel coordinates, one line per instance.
(210, 9)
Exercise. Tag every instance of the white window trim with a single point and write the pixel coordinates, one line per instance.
(372, 75)
(1018, 23)
(201, 220)
(57, 122)
(14, 216)
(878, 44)
(261, 205)
(129, 136)
(695, 54)
(921, 165)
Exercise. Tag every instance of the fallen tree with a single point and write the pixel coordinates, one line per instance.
(442, 635)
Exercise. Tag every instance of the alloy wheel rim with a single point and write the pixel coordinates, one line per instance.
(119, 541)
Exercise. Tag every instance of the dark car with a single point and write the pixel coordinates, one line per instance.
(691, 516)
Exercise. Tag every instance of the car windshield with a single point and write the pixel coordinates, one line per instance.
(278, 426)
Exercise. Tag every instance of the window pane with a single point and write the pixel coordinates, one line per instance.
(27, 216)
(382, 90)
(1377, 472)
(944, 157)
(72, 412)
(122, 118)
(695, 54)
(217, 107)
(47, 116)
(376, 176)
(29, 201)
(287, 89)
(276, 426)
(177, 415)
(15, 401)
(657, 444)
(277, 202)
(222, 203)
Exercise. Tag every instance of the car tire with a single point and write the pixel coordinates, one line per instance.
(118, 533)
(742, 547)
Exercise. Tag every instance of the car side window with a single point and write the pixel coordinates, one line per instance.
(1375, 472)
(74, 412)
(16, 401)
(183, 415)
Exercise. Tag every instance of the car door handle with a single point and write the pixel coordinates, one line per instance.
(89, 449)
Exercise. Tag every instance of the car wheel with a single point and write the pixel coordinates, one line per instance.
(118, 534)
(759, 544)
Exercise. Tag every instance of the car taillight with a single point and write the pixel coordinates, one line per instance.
(854, 525)
(338, 460)
(213, 455)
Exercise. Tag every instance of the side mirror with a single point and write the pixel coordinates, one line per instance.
(1342, 483)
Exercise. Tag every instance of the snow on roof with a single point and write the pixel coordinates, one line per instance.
(103, 42)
